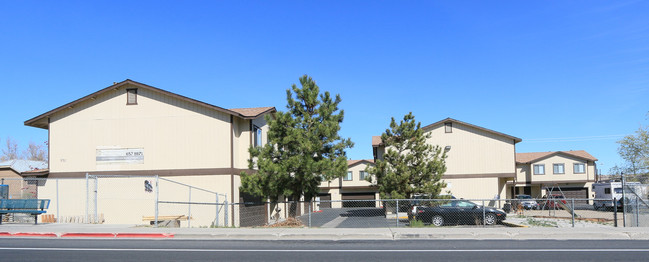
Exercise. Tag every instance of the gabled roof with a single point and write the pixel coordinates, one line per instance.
(451, 120)
(36, 172)
(22, 165)
(354, 162)
(41, 120)
(523, 158)
(253, 112)
(376, 140)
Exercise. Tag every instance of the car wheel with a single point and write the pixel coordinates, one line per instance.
(437, 221)
(490, 219)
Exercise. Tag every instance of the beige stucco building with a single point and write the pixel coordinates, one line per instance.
(479, 162)
(133, 129)
(483, 164)
(569, 172)
(352, 186)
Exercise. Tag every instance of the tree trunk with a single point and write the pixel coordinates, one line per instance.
(293, 209)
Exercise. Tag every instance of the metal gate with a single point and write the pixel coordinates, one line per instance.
(152, 199)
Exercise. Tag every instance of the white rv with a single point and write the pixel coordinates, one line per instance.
(606, 191)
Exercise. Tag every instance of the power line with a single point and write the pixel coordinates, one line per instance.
(573, 139)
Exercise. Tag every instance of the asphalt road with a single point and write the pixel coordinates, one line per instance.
(419, 250)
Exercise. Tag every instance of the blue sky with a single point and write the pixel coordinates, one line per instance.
(561, 75)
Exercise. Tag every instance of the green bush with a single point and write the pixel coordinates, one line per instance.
(416, 223)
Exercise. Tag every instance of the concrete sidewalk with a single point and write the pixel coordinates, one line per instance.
(131, 231)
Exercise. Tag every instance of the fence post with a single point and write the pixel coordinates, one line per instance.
(216, 206)
(310, 209)
(96, 219)
(397, 212)
(226, 215)
(57, 201)
(573, 212)
(484, 223)
(189, 209)
(637, 212)
(157, 200)
(615, 211)
(87, 198)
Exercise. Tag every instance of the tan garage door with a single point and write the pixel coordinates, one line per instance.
(358, 196)
(576, 193)
(326, 198)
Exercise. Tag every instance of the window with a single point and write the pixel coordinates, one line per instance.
(348, 177)
(465, 204)
(579, 168)
(448, 127)
(257, 133)
(607, 191)
(558, 169)
(131, 96)
(539, 169)
(362, 175)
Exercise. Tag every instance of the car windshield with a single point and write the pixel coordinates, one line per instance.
(618, 190)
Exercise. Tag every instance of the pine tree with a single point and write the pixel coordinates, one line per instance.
(410, 165)
(303, 149)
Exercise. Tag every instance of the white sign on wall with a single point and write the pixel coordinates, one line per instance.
(120, 156)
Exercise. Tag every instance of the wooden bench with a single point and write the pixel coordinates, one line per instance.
(166, 221)
(34, 207)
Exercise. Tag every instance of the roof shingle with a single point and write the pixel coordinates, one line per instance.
(532, 156)
(354, 162)
(253, 111)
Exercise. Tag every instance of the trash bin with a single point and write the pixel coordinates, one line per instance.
(507, 207)
(4, 191)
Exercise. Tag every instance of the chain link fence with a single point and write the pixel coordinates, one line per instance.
(140, 200)
(448, 212)
(156, 201)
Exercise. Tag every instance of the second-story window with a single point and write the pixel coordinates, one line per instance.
(539, 169)
(257, 136)
(579, 168)
(131, 96)
(362, 175)
(448, 127)
(558, 169)
(348, 176)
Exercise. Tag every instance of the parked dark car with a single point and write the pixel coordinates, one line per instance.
(420, 201)
(459, 212)
(629, 203)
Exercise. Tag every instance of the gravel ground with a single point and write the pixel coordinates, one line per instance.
(554, 222)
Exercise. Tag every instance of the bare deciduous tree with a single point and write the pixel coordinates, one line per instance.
(10, 151)
(35, 152)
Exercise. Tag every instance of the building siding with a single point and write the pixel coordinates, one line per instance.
(525, 171)
(174, 134)
(474, 151)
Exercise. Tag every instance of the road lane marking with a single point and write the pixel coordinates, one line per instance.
(319, 250)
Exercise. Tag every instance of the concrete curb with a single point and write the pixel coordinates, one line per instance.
(340, 234)
(86, 235)
(509, 224)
